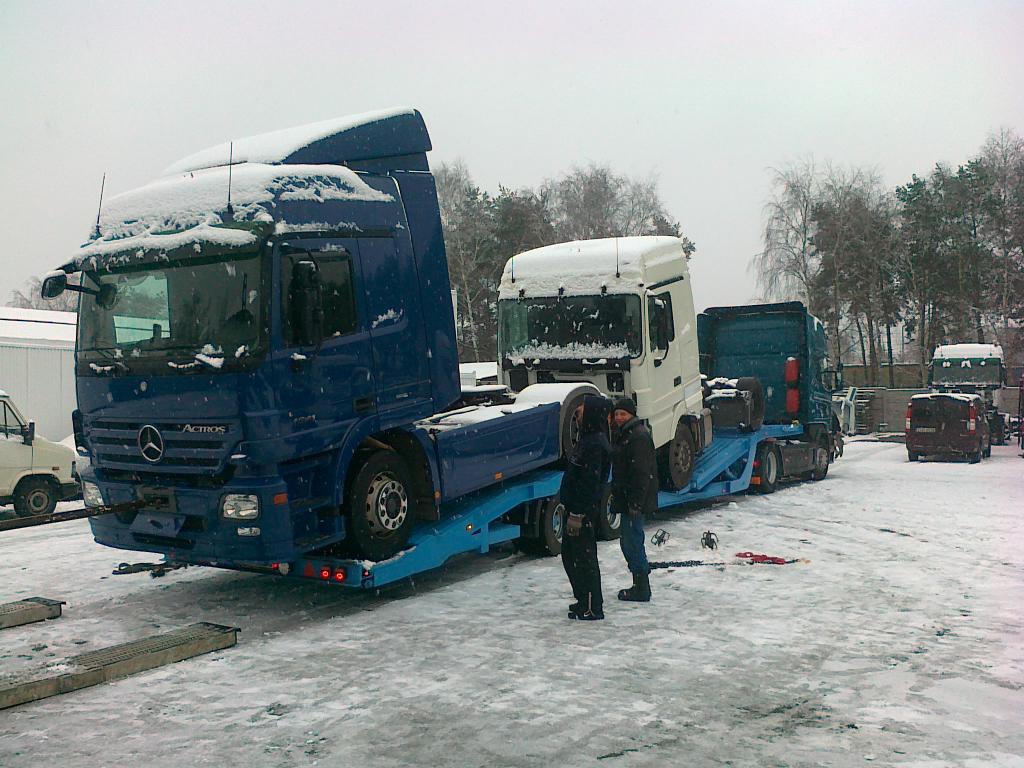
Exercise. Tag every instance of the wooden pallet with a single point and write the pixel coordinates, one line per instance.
(29, 611)
(105, 664)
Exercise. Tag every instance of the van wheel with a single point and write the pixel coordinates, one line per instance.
(609, 522)
(975, 457)
(675, 460)
(912, 456)
(381, 507)
(35, 496)
(769, 464)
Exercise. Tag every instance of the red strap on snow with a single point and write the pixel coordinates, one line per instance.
(759, 558)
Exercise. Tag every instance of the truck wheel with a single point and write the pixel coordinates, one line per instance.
(570, 428)
(820, 459)
(609, 522)
(769, 464)
(675, 460)
(35, 496)
(380, 506)
(753, 386)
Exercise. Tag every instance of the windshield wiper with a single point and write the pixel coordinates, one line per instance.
(116, 362)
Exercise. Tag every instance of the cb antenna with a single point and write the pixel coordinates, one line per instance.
(99, 209)
(617, 258)
(231, 159)
(512, 268)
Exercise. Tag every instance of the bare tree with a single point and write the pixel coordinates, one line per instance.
(31, 298)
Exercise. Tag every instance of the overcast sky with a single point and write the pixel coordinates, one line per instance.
(707, 98)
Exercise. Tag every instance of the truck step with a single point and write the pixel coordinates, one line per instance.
(105, 664)
(29, 611)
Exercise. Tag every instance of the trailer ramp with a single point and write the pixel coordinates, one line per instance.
(105, 664)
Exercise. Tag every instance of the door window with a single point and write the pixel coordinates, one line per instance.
(338, 304)
(660, 321)
(10, 426)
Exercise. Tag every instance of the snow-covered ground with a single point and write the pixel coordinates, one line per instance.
(900, 641)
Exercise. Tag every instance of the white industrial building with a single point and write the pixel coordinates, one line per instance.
(37, 366)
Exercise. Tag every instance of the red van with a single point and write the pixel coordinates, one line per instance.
(947, 424)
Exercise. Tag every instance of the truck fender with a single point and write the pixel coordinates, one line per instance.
(416, 450)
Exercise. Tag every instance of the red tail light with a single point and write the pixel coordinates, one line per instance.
(792, 372)
(339, 575)
(792, 401)
(907, 427)
(972, 418)
(325, 573)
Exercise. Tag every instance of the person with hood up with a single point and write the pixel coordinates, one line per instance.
(634, 492)
(583, 482)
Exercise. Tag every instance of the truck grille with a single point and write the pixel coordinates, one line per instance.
(116, 446)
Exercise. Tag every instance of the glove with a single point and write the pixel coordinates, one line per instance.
(574, 524)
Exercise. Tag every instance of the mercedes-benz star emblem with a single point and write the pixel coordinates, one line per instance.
(151, 444)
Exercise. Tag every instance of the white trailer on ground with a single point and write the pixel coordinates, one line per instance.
(37, 366)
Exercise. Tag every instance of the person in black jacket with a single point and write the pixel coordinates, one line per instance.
(634, 492)
(583, 482)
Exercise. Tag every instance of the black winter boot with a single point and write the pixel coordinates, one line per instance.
(640, 592)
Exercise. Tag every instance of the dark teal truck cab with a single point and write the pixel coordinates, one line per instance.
(784, 347)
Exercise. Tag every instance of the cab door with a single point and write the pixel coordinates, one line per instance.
(15, 456)
(326, 383)
(666, 378)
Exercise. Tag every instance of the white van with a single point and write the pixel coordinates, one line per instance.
(618, 313)
(34, 473)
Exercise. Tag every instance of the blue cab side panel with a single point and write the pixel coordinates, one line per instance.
(419, 195)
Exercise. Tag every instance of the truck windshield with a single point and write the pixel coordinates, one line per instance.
(190, 314)
(967, 371)
(571, 327)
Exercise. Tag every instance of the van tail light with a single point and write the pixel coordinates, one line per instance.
(907, 424)
(792, 371)
(972, 419)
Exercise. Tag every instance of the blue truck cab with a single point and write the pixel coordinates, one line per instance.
(266, 359)
(784, 347)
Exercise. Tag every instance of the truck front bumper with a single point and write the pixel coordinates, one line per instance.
(185, 523)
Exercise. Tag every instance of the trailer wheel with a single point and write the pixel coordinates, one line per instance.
(35, 496)
(753, 386)
(609, 522)
(380, 506)
(769, 463)
(675, 460)
(552, 524)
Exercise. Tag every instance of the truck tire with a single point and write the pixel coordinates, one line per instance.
(821, 452)
(609, 522)
(769, 465)
(552, 524)
(676, 459)
(35, 496)
(569, 427)
(753, 386)
(381, 511)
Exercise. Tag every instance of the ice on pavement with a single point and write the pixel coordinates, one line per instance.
(899, 643)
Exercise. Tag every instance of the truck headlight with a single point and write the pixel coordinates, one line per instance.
(240, 506)
(91, 494)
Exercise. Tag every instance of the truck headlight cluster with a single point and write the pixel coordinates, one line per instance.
(91, 494)
(240, 506)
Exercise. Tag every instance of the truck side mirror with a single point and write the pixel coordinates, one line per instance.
(106, 296)
(306, 293)
(28, 433)
(54, 285)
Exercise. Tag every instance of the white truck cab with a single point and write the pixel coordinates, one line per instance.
(34, 473)
(618, 313)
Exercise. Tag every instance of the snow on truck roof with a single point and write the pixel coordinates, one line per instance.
(186, 207)
(954, 395)
(585, 266)
(369, 135)
(962, 351)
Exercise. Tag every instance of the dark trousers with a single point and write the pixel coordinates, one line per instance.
(579, 556)
(632, 543)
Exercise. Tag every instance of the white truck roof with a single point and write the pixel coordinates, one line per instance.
(583, 267)
(969, 398)
(963, 351)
